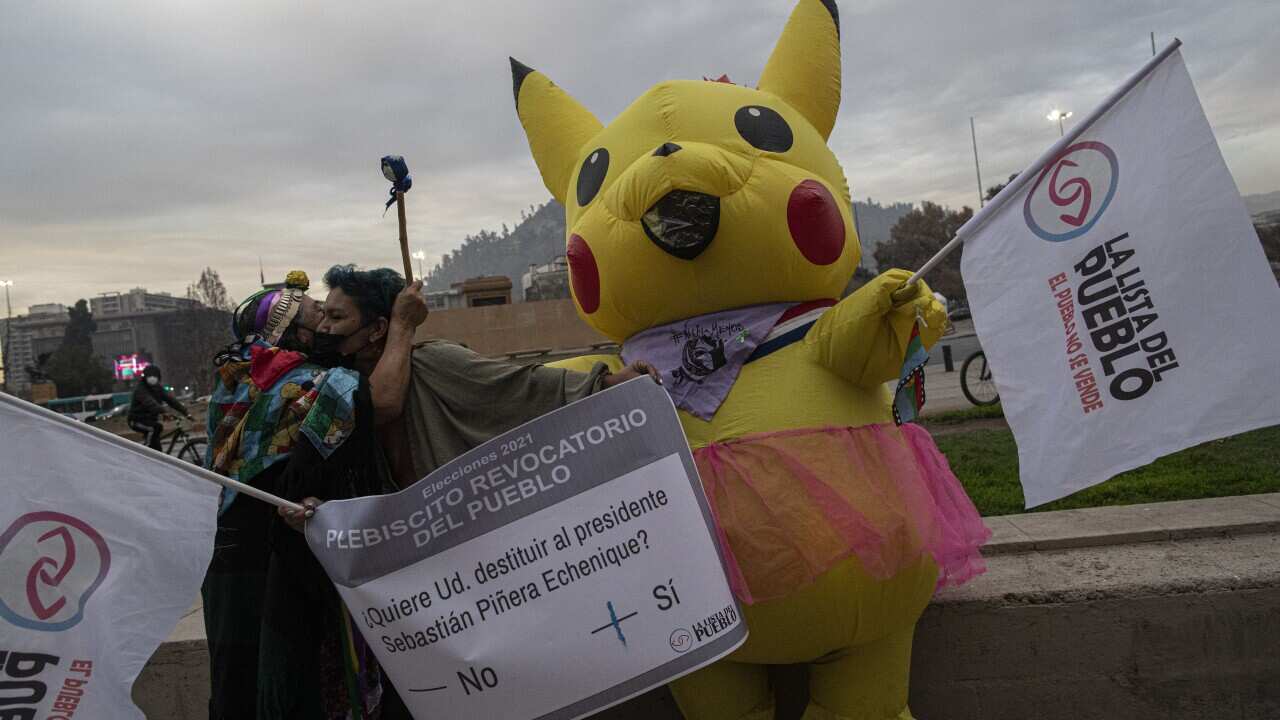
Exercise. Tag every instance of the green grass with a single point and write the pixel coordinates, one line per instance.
(957, 417)
(986, 462)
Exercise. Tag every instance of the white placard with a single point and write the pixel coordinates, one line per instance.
(550, 573)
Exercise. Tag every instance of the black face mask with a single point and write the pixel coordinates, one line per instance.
(325, 352)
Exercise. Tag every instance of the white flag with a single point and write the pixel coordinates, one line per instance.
(1121, 294)
(103, 545)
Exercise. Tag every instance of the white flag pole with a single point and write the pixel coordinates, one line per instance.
(1031, 172)
(26, 407)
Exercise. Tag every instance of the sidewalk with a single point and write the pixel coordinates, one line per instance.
(942, 388)
(942, 391)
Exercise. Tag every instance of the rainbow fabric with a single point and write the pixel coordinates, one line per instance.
(908, 398)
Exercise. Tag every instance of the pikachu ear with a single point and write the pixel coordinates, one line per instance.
(804, 68)
(557, 126)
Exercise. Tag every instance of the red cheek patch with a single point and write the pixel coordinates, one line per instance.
(815, 223)
(583, 274)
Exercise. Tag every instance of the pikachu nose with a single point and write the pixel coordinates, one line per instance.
(665, 149)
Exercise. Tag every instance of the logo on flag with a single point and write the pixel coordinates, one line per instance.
(50, 564)
(1080, 184)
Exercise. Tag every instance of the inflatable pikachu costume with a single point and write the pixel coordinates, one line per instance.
(710, 231)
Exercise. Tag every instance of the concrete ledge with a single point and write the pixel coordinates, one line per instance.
(1124, 524)
(1185, 628)
(1145, 611)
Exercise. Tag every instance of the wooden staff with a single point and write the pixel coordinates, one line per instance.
(404, 238)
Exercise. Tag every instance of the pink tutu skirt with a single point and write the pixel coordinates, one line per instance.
(790, 505)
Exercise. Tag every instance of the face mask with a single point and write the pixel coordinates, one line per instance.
(152, 380)
(325, 352)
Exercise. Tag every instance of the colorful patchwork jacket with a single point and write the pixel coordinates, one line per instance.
(264, 399)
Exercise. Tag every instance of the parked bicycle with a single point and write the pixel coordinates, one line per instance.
(976, 381)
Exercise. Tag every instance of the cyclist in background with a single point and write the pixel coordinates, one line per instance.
(147, 404)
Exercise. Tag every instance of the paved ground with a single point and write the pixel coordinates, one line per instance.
(942, 391)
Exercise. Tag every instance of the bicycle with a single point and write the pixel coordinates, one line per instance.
(976, 381)
(192, 450)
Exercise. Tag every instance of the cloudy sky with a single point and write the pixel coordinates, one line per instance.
(141, 141)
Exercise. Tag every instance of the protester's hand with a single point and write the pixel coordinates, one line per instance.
(410, 307)
(297, 519)
(634, 370)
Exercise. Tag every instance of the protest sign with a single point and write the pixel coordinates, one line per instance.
(552, 572)
(1121, 294)
(103, 545)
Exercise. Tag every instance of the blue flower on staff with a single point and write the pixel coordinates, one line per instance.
(395, 169)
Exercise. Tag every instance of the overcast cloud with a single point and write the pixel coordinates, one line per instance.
(143, 141)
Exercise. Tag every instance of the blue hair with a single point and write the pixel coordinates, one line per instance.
(373, 291)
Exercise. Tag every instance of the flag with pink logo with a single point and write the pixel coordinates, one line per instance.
(103, 546)
(1121, 294)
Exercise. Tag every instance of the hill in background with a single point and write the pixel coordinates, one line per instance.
(1262, 203)
(537, 239)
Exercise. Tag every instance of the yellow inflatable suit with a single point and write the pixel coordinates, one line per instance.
(710, 232)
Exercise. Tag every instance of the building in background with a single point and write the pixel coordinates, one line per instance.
(549, 281)
(30, 337)
(137, 301)
(131, 328)
(120, 337)
(450, 299)
(134, 328)
(485, 290)
(473, 292)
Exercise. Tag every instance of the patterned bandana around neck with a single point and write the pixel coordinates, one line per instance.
(700, 357)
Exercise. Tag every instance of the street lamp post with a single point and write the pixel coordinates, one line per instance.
(1058, 115)
(8, 325)
(982, 198)
(419, 256)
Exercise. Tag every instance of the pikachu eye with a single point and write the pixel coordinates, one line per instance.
(763, 128)
(591, 176)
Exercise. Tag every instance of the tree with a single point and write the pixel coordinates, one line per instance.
(861, 276)
(918, 236)
(81, 327)
(1269, 236)
(209, 291)
(73, 367)
(194, 337)
(995, 189)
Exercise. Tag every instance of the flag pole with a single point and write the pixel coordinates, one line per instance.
(131, 446)
(1034, 169)
(976, 167)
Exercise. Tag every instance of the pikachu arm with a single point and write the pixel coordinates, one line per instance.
(864, 337)
(584, 363)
